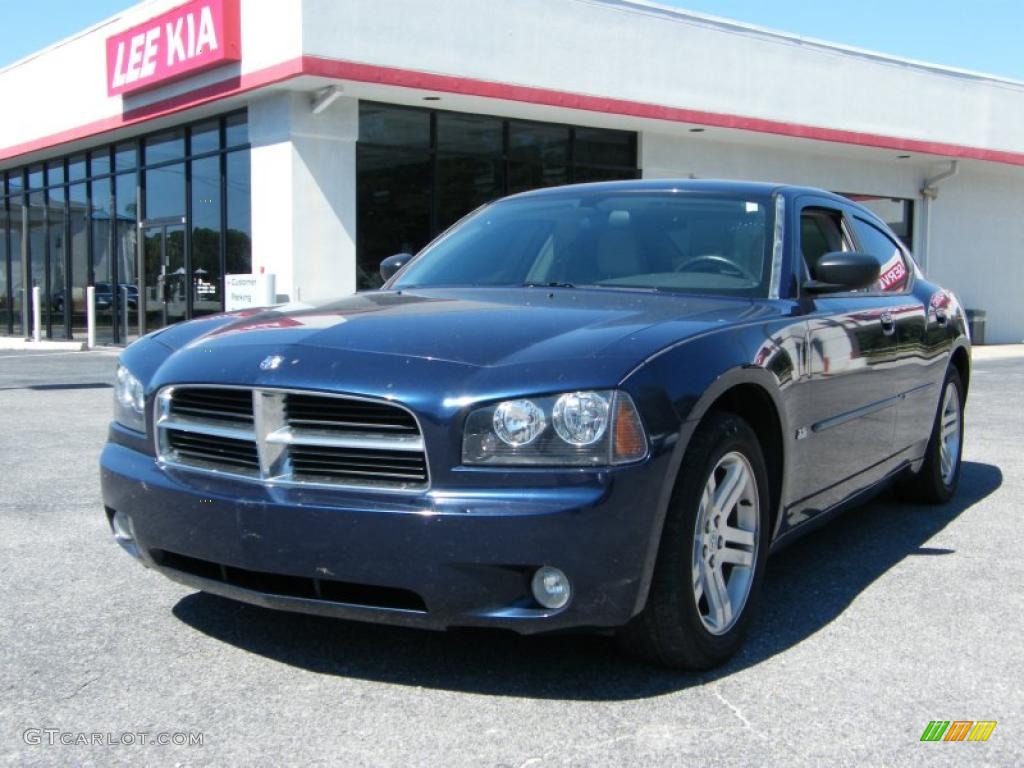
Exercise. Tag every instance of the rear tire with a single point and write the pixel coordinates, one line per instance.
(937, 480)
(712, 554)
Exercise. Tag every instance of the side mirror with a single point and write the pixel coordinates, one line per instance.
(843, 271)
(392, 264)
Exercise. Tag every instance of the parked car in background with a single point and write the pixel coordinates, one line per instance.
(596, 406)
(103, 296)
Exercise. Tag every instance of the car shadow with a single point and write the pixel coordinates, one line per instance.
(844, 557)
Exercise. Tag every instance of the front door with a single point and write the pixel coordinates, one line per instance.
(165, 289)
(849, 426)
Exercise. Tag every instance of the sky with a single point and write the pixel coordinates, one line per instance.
(980, 35)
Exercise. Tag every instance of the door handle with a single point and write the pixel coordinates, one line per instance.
(888, 324)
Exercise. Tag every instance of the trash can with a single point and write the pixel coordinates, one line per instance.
(976, 325)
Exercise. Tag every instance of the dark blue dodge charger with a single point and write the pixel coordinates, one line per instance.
(599, 406)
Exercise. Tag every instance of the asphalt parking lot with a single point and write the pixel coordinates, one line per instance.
(892, 616)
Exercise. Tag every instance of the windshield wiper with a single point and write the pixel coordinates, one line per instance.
(547, 285)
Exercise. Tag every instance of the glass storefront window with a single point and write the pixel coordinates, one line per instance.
(76, 168)
(126, 156)
(53, 295)
(420, 170)
(236, 130)
(71, 222)
(470, 165)
(206, 230)
(393, 193)
(165, 191)
(78, 224)
(388, 126)
(5, 301)
(238, 234)
(55, 172)
(15, 231)
(99, 161)
(538, 156)
(165, 147)
(36, 276)
(603, 148)
(205, 137)
(103, 275)
(126, 244)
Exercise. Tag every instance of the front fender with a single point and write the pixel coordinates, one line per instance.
(676, 388)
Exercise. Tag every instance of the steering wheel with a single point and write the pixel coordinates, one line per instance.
(719, 264)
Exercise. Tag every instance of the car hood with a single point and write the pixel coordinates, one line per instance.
(471, 327)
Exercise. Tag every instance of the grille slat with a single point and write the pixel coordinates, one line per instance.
(302, 438)
(348, 415)
(353, 475)
(327, 464)
(333, 454)
(216, 450)
(222, 414)
(352, 426)
(232, 405)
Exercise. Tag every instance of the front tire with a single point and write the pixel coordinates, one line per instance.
(937, 480)
(712, 554)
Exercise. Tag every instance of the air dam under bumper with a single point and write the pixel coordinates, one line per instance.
(437, 560)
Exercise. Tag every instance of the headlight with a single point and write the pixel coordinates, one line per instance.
(518, 422)
(575, 429)
(129, 400)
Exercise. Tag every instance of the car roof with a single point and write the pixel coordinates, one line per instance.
(710, 186)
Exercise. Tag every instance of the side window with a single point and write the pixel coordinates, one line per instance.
(895, 273)
(821, 232)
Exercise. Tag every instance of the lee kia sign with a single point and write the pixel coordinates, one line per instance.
(185, 40)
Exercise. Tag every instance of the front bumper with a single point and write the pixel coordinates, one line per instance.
(442, 559)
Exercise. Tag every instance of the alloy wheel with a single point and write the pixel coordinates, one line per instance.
(725, 543)
(949, 434)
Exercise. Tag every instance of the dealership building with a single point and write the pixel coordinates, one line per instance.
(154, 153)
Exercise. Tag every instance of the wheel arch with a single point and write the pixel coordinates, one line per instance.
(752, 393)
(752, 403)
(961, 360)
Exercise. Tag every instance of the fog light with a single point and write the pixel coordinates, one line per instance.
(551, 587)
(123, 530)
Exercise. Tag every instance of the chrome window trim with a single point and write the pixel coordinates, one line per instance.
(775, 280)
(272, 436)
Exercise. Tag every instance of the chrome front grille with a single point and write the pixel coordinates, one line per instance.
(291, 437)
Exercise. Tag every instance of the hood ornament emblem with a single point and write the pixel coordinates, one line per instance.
(271, 363)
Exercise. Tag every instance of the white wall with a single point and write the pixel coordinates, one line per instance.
(666, 155)
(977, 245)
(303, 194)
(608, 48)
(627, 50)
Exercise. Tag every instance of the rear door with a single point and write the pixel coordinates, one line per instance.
(851, 389)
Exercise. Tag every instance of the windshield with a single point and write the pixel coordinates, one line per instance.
(671, 241)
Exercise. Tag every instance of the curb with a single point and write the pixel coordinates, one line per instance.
(997, 351)
(26, 345)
